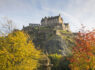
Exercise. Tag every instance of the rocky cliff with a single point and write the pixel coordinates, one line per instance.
(51, 40)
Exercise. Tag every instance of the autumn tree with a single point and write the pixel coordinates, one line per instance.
(18, 53)
(84, 52)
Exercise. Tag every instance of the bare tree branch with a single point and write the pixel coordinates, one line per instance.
(6, 26)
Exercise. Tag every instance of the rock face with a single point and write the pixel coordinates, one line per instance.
(61, 44)
(52, 41)
(57, 45)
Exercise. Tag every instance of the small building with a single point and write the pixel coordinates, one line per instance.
(67, 27)
(34, 25)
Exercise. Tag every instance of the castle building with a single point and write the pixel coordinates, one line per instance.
(51, 21)
(56, 22)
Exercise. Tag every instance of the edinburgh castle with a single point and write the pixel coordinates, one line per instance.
(55, 22)
(51, 35)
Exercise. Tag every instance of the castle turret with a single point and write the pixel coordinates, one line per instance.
(67, 27)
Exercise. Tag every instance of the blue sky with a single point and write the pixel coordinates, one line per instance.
(75, 12)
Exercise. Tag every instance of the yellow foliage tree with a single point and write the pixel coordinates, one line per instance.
(18, 53)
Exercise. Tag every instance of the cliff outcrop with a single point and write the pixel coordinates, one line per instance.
(51, 40)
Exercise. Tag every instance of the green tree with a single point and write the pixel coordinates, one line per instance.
(59, 62)
(18, 53)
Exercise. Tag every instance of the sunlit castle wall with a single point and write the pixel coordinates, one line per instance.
(51, 21)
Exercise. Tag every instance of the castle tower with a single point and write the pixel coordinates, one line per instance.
(67, 27)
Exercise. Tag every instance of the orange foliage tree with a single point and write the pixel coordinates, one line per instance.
(84, 52)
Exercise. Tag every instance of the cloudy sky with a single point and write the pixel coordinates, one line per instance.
(74, 12)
